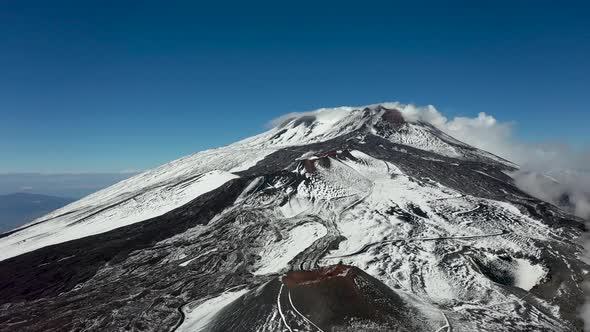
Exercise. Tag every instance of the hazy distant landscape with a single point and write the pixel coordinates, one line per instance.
(19, 208)
(26, 196)
(75, 185)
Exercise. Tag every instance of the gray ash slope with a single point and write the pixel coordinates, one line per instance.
(340, 220)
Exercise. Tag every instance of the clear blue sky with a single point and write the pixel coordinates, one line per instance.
(104, 86)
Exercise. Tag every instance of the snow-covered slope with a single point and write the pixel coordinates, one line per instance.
(346, 219)
(172, 185)
(144, 196)
(84, 220)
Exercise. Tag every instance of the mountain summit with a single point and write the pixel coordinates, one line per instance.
(345, 219)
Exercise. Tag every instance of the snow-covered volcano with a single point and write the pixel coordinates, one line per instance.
(362, 206)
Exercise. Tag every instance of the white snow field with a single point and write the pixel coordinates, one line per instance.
(79, 220)
(277, 254)
(527, 274)
(198, 315)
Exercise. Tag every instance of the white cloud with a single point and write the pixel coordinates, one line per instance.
(549, 171)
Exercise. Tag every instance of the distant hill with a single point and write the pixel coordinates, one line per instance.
(19, 208)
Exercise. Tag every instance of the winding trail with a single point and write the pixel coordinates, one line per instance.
(367, 246)
(300, 314)
(281, 310)
(460, 213)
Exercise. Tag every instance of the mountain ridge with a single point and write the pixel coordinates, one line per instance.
(447, 234)
(327, 124)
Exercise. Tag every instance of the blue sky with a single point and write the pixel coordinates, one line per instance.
(116, 85)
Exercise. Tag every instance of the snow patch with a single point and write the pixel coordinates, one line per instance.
(199, 315)
(276, 255)
(187, 262)
(527, 275)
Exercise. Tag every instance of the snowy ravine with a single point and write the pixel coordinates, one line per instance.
(347, 219)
